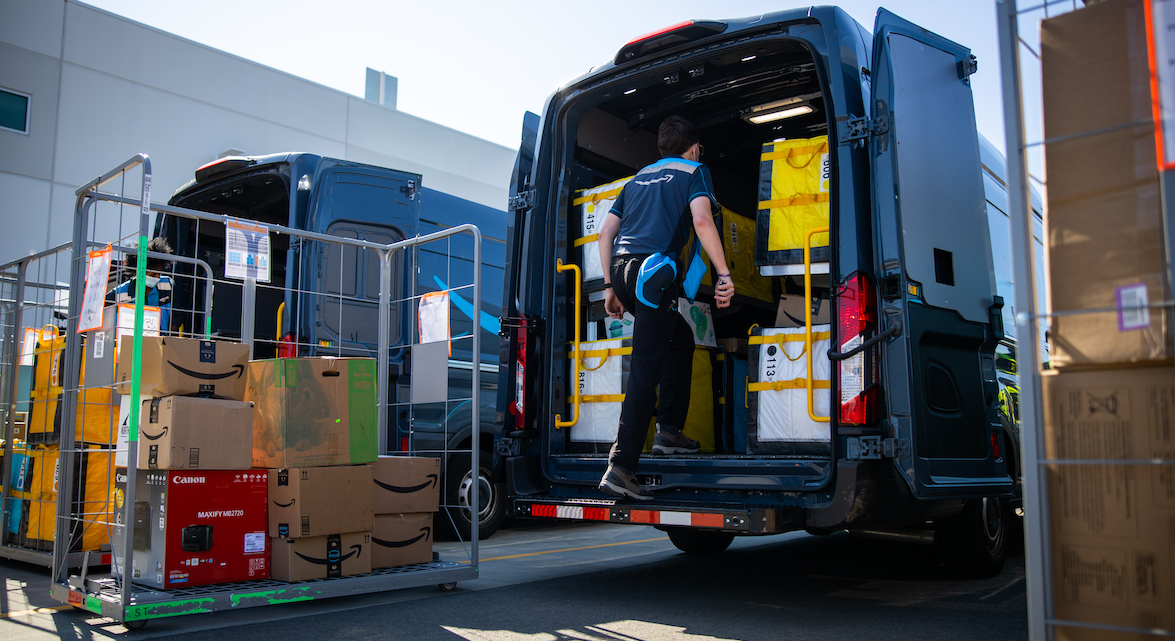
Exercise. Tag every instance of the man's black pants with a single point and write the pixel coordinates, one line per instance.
(662, 353)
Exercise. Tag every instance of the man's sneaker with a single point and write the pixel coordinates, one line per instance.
(669, 442)
(620, 482)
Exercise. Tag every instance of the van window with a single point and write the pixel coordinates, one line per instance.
(351, 276)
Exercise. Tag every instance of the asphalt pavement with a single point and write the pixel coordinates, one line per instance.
(600, 582)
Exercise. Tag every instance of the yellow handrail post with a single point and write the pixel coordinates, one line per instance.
(575, 358)
(280, 310)
(808, 321)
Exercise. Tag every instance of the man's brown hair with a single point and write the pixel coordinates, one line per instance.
(675, 136)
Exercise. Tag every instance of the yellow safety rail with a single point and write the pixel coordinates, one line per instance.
(808, 320)
(280, 310)
(575, 357)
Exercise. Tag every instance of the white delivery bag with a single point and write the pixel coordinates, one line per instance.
(592, 205)
(779, 420)
(603, 377)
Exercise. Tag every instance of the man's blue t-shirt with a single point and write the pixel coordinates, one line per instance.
(654, 206)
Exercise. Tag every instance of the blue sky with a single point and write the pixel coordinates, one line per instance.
(477, 66)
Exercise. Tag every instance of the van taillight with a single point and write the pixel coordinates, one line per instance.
(518, 406)
(287, 347)
(856, 317)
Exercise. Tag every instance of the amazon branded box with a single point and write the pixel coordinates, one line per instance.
(186, 367)
(1104, 213)
(401, 539)
(185, 432)
(194, 527)
(1112, 514)
(313, 411)
(321, 557)
(406, 484)
(316, 501)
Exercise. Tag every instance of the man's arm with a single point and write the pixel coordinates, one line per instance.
(712, 243)
(608, 232)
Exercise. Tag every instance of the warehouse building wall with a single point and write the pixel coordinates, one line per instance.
(102, 88)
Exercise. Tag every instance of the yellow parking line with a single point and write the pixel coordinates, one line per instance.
(25, 613)
(586, 547)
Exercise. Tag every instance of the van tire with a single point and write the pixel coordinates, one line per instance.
(700, 542)
(458, 479)
(974, 543)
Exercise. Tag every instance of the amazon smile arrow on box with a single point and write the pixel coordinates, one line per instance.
(186, 367)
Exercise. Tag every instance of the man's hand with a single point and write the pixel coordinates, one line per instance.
(612, 304)
(723, 292)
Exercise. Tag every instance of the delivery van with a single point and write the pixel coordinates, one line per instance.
(320, 302)
(853, 383)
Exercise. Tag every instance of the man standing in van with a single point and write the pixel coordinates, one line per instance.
(647, 242)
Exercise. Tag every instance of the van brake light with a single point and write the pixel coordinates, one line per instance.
(518, 407)
(856, 311)
(222, 165)
(288, 346)
(671, 35)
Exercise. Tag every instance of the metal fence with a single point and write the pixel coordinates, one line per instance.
(47, 298)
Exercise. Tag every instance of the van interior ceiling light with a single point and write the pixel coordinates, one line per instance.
(630, 91)
(778, 110)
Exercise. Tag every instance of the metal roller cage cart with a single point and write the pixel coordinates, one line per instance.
(1089, 92)
(95, 525)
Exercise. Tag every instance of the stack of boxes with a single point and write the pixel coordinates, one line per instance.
(200, 510)
(315, 432)
(406, 492)
(1110, 397)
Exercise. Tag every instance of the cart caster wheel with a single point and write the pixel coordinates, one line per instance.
(448, 587)
(135, 625)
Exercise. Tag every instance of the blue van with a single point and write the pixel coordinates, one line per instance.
(322, 300)
(914, 436)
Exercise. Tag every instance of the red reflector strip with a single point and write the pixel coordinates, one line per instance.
(691, 519)
(543, 510)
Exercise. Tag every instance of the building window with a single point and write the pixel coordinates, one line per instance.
(14, 111)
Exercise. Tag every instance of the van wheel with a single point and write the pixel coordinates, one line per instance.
(491, 498)
(700, 542)
(974, 543)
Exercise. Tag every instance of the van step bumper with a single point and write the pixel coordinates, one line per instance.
(745, 520)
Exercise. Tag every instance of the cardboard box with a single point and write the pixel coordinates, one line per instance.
(1104, 219)
(313, 411)
(401, 539)
(186, 367)
(185, 432)
(791, 311)
(195, 528)
(1111, 523)
(321, 557)
(734, 345)
(406, 484)
(316, 501)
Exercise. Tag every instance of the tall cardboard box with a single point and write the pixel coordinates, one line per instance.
(401, 539)
(1103, 217)
(1111, 523)
(313, 411)
(185, 432)
(316, 501)
(186, 367)
(194, 528)
(405, 484)
(321, 557)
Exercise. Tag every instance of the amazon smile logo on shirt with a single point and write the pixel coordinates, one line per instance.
(646, 183)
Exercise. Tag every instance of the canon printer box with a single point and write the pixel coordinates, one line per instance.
(194, 527)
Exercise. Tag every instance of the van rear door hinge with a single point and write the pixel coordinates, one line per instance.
(524, 200)
(850, 128)
(875, 447)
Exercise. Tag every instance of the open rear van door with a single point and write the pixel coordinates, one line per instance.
(935, 265)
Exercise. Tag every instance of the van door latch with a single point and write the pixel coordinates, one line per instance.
(851, 128)
(524, 200)
(409, 189)
(875, 447)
